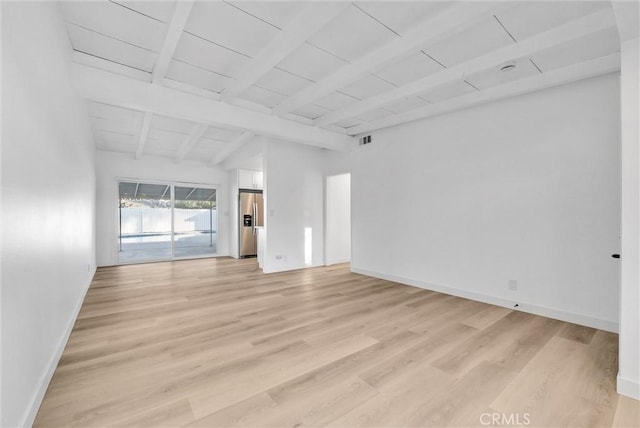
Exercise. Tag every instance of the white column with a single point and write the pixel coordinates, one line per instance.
(629, 348)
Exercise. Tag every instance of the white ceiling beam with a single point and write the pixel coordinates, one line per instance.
(103, 86)
(103, 64)
(114, 67)
(451, 20)
(572, 73)
(174, 32)
(562, 34)
(627, 19)
(310, 20)
(144, 134)
(232, 147)
(190, 142)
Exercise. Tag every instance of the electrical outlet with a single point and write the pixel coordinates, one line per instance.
(512, 284)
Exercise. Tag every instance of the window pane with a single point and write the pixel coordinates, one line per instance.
(195, 220)
(145, 222)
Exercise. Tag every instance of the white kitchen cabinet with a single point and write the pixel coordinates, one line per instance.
(248, 179)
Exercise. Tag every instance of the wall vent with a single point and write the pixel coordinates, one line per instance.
(365, 140)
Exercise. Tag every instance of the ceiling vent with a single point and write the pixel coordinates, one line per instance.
(365, 140)
(508, 67)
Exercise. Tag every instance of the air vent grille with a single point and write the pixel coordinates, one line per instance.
(365, 140)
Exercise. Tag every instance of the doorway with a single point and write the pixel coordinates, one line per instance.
(165, 221)
(338, 219)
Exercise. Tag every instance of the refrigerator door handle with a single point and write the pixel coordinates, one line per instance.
(255, 211)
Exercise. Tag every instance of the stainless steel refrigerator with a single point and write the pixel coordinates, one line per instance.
(251, 215)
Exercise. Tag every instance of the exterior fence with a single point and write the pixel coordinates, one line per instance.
(145, 220)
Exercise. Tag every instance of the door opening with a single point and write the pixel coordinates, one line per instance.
(163, 221)
(338, 219)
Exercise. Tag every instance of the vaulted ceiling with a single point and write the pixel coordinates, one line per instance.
(196, 80)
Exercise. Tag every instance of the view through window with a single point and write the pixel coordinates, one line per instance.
(166, 221)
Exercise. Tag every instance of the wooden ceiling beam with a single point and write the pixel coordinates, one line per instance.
(109, 88)
(310, 20)
(572, 73)
(190, 142)
(451, 20)
(144, 134)
(174, 32)
(564, 33)
(232, 147)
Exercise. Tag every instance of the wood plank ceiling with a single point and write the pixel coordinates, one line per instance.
(318, 71)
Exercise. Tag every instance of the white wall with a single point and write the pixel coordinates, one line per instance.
(629, 351)
(524, 189)
(48, 195)
(233, 213)
(338, 219)
(294, 193)
(112, 166)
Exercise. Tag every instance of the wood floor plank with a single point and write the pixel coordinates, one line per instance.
(627, 413)
(215, 342)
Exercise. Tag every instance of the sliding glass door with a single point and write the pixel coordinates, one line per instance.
(194, 219)
(160, 221)
(145, 222)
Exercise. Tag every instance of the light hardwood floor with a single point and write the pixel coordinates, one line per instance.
(215, 342)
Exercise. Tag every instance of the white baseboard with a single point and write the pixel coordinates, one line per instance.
(337, 261)
(628, 387)
(544, 311)
(36, 400)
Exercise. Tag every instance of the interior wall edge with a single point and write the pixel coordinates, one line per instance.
(47, 375)
(559, 314)
(628, 387)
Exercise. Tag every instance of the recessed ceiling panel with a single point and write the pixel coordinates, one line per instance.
(351, 35)
(229, 26)
(402, 16)
(165, 138)
(263, 96)
(483, 37)
(311, 111)
(111, 146)
(170, 124)
(277, 13)
(196, 76)
(163, 142)
(222, 134)
(196, 51)
(100, 124)
(110, 49)
(113, 113)
(282, 82)
(596, 45)
(116, 21)
(335, 100)
(445, 92)
(158, 148)
(533, 17)
(115, 137)
(160, 10)
(206, 149)
(407, 104)
(367, 87)
(373, 115)
(311, 63)
(412, 68)
(495, 76)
